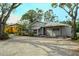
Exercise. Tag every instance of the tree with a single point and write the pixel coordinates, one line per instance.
(23, 24)
(29, 15)
(49, 16)
(72, 10)
(32, 15)
(78, 26)
(39, 14)
(66, 22)
(5, 11)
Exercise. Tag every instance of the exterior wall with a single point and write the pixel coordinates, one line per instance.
(61, 32)
(64, 33)
(53, 33)
(68, 31)
(11, 29)
(38, 27)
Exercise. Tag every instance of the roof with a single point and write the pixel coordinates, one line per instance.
(36, 27)
(53, 24)
(49, 24)
(37, 24)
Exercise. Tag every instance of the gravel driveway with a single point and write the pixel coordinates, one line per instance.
(38, 46)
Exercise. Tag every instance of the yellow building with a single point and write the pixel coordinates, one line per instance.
(12, 28)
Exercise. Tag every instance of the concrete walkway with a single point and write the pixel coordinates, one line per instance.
(37, 46)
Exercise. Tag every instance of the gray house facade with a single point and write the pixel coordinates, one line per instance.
(51, 29)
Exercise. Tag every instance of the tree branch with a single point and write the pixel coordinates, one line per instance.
(10, 10)
(2, 10)
(76, 12)
(68, 12)
(15, 5)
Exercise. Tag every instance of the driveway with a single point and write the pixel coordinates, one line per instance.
(38, 46)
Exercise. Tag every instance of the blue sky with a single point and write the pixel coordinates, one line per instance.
(44, 6)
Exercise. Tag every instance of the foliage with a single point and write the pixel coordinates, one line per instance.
(66, 22)
(77, 26)
(4, 36)
(5, 11)
(30, 15)
(70, 8)
(39, 15)
(49, 16)
(22, 28)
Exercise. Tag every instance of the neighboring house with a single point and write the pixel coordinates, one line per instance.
(51, 29)
(13, 28)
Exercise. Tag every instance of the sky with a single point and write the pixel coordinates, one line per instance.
(17, 14)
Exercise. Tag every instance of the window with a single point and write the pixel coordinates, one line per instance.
(35, 31)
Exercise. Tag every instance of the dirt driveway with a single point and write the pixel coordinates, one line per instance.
(38, 46)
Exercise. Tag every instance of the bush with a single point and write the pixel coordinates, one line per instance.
(4, 36)
(31, 34)
(22, 33)
(77, 35)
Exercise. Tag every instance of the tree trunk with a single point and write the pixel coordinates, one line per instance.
(1, 29)
(74, 35)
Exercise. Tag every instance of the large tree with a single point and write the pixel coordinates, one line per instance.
(32, 15)
(29, 15)
(39, 14)
(49, 16)
(5, 11)
(72, 10)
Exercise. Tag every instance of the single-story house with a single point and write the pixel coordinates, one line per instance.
(51, 29)
(12, 28)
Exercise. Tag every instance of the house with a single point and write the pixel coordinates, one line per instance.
(51, 29)
(13, 28)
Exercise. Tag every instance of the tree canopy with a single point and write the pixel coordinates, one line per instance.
(49, 16)
(72, 10)
(5, 11)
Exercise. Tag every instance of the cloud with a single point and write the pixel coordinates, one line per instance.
(13, 19)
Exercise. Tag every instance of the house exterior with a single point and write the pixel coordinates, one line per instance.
(13, 28)
(51, 29)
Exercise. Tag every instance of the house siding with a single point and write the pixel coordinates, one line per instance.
(53, 33)
(61, 32)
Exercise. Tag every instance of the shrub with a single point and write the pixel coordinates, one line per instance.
(4, 36)
(77, 35)
(31, 34)
(22, 33)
